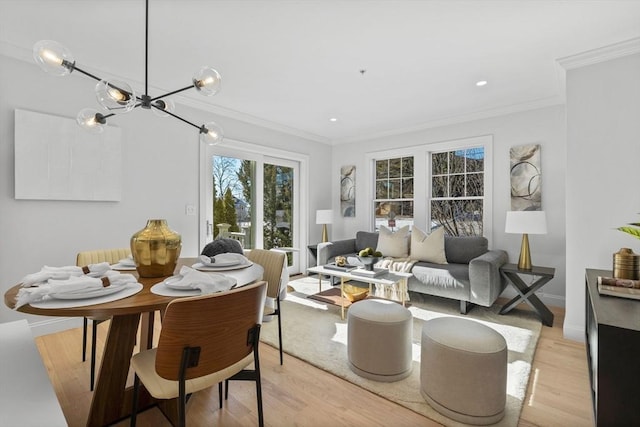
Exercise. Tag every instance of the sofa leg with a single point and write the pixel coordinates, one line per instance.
(465, 306)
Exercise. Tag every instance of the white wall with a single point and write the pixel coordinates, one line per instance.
(543, 126)
(161, 175)
(603, 171)
(587, 175)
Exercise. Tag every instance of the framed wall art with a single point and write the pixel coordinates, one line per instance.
(526, 178)
(348, 191)
(57, 160)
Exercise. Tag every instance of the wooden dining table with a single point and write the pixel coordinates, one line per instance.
(112, 398)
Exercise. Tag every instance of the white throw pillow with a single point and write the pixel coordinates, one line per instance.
(428, 247)
(394, 244)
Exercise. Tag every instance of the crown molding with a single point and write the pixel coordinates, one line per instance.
(249, 119)
(601, 54)
(16, 52)
(457, 119)
(594, 56)
(25, 55)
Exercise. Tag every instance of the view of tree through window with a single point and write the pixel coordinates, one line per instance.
(234, 201)
(232, 196)
(393, 203)
(457, 191)
(278, 206)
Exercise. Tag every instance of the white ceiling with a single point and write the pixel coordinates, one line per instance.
(295, 64)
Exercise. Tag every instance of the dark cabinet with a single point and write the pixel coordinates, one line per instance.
(612, 328)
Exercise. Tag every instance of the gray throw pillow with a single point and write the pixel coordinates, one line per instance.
(461, 250)
(222, 246)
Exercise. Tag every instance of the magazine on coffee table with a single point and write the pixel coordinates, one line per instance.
(344, 268)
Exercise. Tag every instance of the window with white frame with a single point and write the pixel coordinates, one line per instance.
(457, 191)
(394, 194)
(440, 184)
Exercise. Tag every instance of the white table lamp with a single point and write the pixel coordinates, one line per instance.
(525, 223)
(324, 217)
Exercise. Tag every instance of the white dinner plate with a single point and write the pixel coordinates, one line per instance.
(125, 264)
(218, 264)
(224, 260)
(210, 267)
(89, 294)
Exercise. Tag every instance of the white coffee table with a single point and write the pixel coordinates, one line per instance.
(387, 279)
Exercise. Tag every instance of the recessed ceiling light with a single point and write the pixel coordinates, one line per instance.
(481, 83)
(333, 119)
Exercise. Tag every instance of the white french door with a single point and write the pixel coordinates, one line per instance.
(263, 188)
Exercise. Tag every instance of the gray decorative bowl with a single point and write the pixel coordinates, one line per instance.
(368, 261)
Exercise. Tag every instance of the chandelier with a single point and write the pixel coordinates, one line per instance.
(118, 97)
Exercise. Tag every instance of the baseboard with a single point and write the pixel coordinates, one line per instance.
(46, 327)
(552, 299)
(573, 332)
(546, 298)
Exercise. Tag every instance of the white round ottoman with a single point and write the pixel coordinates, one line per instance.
(463, 370)
(379, 340)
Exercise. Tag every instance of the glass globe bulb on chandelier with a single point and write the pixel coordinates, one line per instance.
(118, 97)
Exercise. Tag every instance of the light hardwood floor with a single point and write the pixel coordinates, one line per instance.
(297, 394)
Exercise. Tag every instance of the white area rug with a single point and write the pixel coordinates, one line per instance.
(313, 332)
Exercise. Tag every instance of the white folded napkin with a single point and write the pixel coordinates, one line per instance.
(229, 257)
(61, 273)
(207, 283)
(77, 285)
(206, 260)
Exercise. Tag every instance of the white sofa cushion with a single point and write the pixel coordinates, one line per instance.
(428, 247)
(394, 244)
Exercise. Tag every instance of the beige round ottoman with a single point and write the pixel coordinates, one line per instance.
(463, 370)
(379, 340)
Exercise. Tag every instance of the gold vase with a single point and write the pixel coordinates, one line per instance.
(626, 264)
(156, 249)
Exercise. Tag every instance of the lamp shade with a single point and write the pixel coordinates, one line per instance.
(526, 222)
(324, 216)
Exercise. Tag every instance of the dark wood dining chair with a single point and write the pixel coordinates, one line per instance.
(83, 259)
(204, 340)
(274, 263)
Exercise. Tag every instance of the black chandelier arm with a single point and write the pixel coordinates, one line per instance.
(122, 101)
(172, 93)
(176, 116)
(146, 48)
(74, 67)
(102, 118)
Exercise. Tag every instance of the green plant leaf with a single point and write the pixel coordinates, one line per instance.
(635, 232)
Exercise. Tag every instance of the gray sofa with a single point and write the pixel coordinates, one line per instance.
(472, 275)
